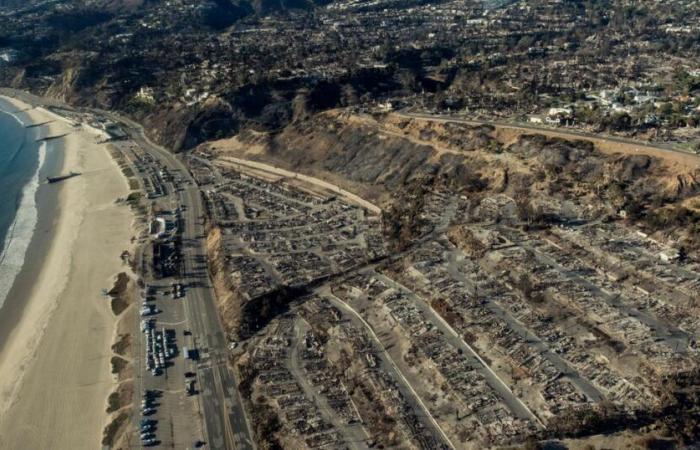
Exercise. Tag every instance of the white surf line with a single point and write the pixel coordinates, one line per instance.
(21, 232)
(16, 117)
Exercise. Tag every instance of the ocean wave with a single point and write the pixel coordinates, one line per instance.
(21, 231)
(15, 116)
(20, 147)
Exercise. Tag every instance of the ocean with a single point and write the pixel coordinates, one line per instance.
(21, 159)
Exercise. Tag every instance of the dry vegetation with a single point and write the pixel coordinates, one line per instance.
(392, 159)
(120, 294)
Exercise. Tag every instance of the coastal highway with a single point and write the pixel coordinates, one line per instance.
(225, 422)
(224, 416)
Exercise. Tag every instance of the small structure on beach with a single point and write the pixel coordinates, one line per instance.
(61, 177)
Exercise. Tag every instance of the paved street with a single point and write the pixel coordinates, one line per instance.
(535, 343)
(509, 399)
(387, 364)
(673, 337)
(224, 421)
(354, 434)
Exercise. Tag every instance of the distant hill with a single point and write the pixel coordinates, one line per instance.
(219, 13)
(12, 3)
(123, 5)
(221, 9)
(269, 6)
(222, 13)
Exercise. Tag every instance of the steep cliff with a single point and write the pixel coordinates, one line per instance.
(377, 156)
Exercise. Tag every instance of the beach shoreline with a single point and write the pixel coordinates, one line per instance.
(46, 201)
(56, 328)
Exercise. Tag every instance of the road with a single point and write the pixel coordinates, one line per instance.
(224, 415)
(354, 434)
(671, 336)
(516, 406)
(535, 343)
(389, 365)
(225, 422)
(558, 131)
(349, 196)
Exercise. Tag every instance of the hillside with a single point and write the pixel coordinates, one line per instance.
(382, 156)
(193, 71)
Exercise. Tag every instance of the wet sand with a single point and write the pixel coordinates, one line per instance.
(56, 327)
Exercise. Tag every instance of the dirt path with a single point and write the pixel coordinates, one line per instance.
(507, 132)
(314, 181)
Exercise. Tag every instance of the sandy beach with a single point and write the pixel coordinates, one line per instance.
(55, 362)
